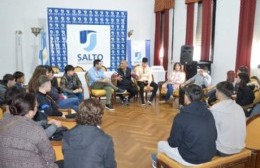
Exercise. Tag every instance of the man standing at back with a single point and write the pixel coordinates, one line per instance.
(193, 134)
(98, 80)
(230, 121)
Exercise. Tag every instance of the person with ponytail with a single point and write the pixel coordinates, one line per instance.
(24, 143)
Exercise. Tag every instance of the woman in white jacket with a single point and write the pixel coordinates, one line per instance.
(175, 79)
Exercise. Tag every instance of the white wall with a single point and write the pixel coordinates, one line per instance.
(226, 32)
(22, 15)
(180, 15)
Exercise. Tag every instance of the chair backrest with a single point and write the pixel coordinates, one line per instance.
(58, 81)
(1, 113)
(253, 133)
(55, 69)
(104, 68)
(257, 96)
(87, 80)
(78, 69)
(57, 147)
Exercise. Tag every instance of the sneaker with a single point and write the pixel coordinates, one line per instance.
(154, 160)
(109, 107)
(150, 102)
(120, 91)
(143, 104)
(127, 102)
(123, 101)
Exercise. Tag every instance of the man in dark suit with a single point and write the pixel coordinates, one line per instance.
(124, 81)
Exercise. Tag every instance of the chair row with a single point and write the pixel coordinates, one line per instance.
(249, 157)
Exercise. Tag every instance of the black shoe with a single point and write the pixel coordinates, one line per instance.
(123, 101)
(109, 107)
(120, 91)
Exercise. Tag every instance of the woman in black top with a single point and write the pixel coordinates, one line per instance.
(245, 94)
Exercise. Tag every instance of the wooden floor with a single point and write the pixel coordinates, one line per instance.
(136, 131)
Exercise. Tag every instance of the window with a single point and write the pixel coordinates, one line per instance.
(198, 30)
(255, 53)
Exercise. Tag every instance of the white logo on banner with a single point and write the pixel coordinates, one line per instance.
(85, 43)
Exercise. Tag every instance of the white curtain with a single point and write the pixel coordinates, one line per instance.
(197, 31)
(255, 55)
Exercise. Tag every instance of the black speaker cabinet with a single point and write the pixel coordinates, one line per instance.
(186, 54)
(191, 69)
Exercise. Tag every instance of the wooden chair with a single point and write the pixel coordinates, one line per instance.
(114, 82)
(55, 69)
(163, 92)
(57, 147)
(78, 69)
(96, 93)
(146, 91)
(241, 159)
(1, 113)
(253, 139)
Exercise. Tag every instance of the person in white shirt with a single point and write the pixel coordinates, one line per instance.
(175, 79)
(230, 121)
(144, 78)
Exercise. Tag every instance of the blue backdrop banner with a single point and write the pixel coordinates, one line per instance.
(78, 36)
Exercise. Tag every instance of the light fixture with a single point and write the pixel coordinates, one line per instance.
(36, 30)
(130, 33)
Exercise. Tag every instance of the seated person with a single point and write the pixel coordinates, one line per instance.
(19, 79)
(33, 84)
(8, 81)
(202, 78)
(86, 145)
(62, 101)
(193, 134)
(244, 94)
(144, 78)
(124, 81)
(24, 144)
(47, 106)
(70, 84)
(242, 69)
(230, 121)
(175, 79)
(50, 126)
(98, 80)
(212, 94)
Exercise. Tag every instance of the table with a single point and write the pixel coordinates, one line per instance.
(158, 73)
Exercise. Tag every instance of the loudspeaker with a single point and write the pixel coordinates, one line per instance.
(186, 54)
(191, 69)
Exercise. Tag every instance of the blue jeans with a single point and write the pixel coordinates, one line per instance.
(79, 96)
(72, 103)
(169, 92)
